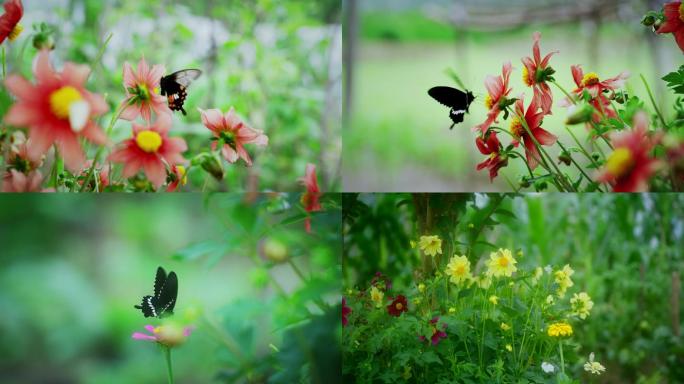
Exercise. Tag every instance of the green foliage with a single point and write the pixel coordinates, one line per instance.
(675, 80)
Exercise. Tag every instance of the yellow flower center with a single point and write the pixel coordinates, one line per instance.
(182, 174)
(516, 127)
(526, 77)
(148, 141)
(156, 330)
(590, 78)
(620, 162)
(61, 100)
(460, 270)
(503, 262)
(15, 32)
(488, 102)
(399, 306)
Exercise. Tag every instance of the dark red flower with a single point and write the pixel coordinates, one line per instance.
(437, 334)
(9, 22)
(533, 120)
(536, 72)
(674, 22)
(492, 147)
(345, 311)
(497, 91)
(310, 199)
(398, 306)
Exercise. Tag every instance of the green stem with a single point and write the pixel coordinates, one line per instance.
(650, 95)
(584, 151)
(56, 169)
(99, 55)
(572, 99)
(577, 165)
(108, 132)
(560, 346)
(169, 368)
(4, 68)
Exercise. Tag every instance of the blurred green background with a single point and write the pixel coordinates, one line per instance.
(397, 137)
(627, 251)
(277, 62)
(251, 280)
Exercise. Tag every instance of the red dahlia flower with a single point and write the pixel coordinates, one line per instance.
(177, 177)
(9, 22)
(15, 181)
(536, 73)
(497, 90)
(142, 92)
(674, 22)
(437, 334)
(233, 134)
(310, 199)
(150, 149)
(398, 306)
(345, 312)
(533, 120)
(492, 147)
(630, 165)
(56, 110)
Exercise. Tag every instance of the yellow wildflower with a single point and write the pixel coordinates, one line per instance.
(505, 327)
(421, 287)
(509, 348)
(593, 366)
(452, 310)
(431, 245)
(376, 296)
(549, 299)
(559, 329)
(581, 305)
(458, 269)
(494, 299)
(484, 281)
(501, 263)
(562, 278)
(538, 273)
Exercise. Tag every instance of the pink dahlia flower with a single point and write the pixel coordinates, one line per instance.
(491, 147)
(497, 90)
(56, 110)
(310, 199)
(151, 149)
(533, 120)
(15, 181)
(169, 335)
(142, 91)
(536, 72)
(232, 133)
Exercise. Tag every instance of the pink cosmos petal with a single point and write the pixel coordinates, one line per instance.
(71, 152)
(142, 336)
(493, 85)
(131, 112)
(143, 71)
(536, 36)
(231, 118)
(75, 74)
(128, 76)
(243, 153)
(211, 118)
(20, 87)
(229, 154)
(155, 75)
(21, 115)
(42, 68)
(187, 331)
(577, 74)
(155, 171)
(98, 105)
(42, 138)
(94, 133)
(149, 328)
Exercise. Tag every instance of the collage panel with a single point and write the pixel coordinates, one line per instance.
(177, 288)
(500, 96)
(157, 95)
(503, 288)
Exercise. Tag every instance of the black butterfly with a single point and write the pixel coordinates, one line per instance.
(174, 87)
(165, 294)
(455, 99)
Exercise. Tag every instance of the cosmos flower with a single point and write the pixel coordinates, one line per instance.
(9, 21)
(151, 149)
(431, 245)
(310, 199)
(492, 147)
(533, 120)
(536, 72)
(501, 263)
(630, 165)
(674, 22)
(581, 305)
(559, 329)
(56, 110)
(345, 312)
(142, 91)
(497, 90)
(458, 269)
(232, 134)
(398, 306)
(168, 335)
(593, 367)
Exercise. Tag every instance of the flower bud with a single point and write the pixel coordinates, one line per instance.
(579, 114)
(43, 36)
(274, 250)
(212, 164)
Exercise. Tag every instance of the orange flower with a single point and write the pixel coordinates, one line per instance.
(536, 72)
(497, 90)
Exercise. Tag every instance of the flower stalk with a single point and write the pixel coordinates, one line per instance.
(169, 367)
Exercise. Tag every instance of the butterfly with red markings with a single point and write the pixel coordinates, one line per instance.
(175, 85)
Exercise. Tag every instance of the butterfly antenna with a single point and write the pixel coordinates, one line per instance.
(451, 73)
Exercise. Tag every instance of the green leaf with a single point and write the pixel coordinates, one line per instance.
(675, 80)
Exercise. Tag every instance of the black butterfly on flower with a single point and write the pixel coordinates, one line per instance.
(165, 294)
(174, 87)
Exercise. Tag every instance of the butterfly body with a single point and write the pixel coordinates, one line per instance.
(165, 295)
(175, 85)
(457, 101)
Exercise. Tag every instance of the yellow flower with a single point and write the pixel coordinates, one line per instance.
(494, 299)
(562, 278)
(376, 296)
(505, 327)
(538, 273)
(593, 366)
(484, 281)
(520, 253)
(421, 287)
(413, 244)
(458, 269)
(452, 310)
(559, 329)
(431, 245)
(549, 299)
(509, 348)
(581, 305)
(501, 263)
(471, 225)
(416, 301)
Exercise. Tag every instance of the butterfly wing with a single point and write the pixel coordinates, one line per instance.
(166, 301)
(448, 96)
(174, 87)
(159, 281)
(147, 306)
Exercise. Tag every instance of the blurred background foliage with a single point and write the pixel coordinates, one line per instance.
(397, 137)
(277, 62)
(263, 294)
(626, 250)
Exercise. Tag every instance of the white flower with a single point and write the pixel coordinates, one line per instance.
(547, 367)
(593, 366)
(548, 269)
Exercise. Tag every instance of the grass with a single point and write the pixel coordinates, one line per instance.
(396, 126)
